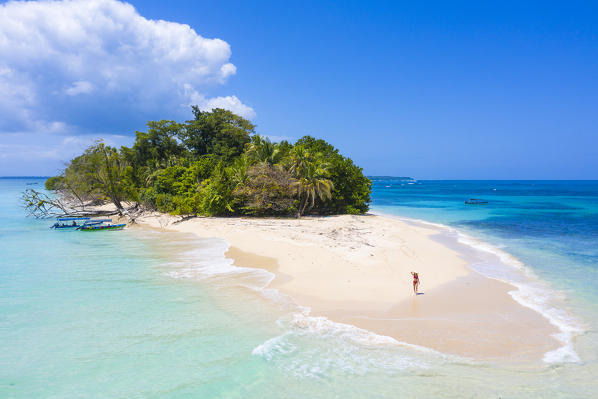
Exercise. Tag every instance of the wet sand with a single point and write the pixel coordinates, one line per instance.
(355, 270)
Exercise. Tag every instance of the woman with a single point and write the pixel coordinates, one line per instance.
(415, 282)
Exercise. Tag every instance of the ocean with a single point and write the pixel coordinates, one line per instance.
(147, 314)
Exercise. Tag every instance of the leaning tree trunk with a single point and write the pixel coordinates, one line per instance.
(41, 206)
(117, 203)
(302, 207)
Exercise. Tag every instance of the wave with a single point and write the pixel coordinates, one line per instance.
(207, 261)
(312, 346)
(530, 291)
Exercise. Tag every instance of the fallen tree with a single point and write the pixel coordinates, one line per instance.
(42, 206)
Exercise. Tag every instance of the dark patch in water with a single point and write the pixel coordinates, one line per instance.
(539, 224)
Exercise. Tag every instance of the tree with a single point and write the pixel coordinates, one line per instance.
(158, 148)
(212, 165)
(262, 150)
(100, 173)
(238, 171)
(351, 192)
(312, 178)
(40, 205)
(267, 190)
(218, 132)
(216, 193)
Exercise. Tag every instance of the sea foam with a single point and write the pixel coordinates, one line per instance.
(350, 348)
(310, 346)
(207, 260)
(530, 291)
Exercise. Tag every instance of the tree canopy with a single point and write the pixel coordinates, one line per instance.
(215, 164)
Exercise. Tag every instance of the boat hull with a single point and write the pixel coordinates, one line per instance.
(102, 228)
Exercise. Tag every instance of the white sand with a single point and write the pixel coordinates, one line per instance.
(356, 269)
(365, 259)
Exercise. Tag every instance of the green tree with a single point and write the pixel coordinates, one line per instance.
(101, 172)
(216, 193)
(218, 132)
(262, 150)
(54, 183)
(212, 165)
(158, 147)
(312, 175)
(238, 171)
(352, 189)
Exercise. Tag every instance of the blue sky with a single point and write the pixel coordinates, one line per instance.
(464, 90)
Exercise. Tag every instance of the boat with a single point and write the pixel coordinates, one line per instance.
(476, 201)
(69, 223)
(101, 224)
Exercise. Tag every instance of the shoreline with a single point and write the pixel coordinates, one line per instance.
(355, 270)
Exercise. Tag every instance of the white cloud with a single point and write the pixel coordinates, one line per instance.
(229, 102)
(79, 87)
(79, 64)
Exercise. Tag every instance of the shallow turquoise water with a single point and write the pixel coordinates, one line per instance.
(138, 314)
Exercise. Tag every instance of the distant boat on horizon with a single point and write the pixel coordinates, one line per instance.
(476, 201)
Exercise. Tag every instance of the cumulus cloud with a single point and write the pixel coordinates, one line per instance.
(95, 65)
(229, 102)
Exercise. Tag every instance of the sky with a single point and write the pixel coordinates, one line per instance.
(431, 90)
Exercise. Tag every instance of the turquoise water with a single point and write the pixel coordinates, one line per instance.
(552, 226)
(142, 314)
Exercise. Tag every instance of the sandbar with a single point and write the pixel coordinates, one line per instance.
(355, 269)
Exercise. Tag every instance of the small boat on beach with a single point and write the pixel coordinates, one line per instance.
(69, 223)
(100, 225)
(476, 201)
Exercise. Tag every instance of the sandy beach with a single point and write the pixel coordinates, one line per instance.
(356, 270)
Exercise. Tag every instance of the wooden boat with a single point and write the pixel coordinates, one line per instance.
(100, 225)
(69, 223)
(476, 201)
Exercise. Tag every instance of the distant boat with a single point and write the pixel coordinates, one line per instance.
(101, 224)
(476, 201)
(69, 223)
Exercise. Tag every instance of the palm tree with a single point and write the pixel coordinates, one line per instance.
(262, 150)
(312, 178)
(298, 159)
(238, 170)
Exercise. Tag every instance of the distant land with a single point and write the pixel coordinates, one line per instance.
(23, 177)
(401, 178)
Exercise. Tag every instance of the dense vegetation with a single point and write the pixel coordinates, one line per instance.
(216, 164)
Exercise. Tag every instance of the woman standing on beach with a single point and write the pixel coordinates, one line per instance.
(415, 282)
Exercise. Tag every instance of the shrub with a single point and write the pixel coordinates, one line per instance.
(268, 190)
